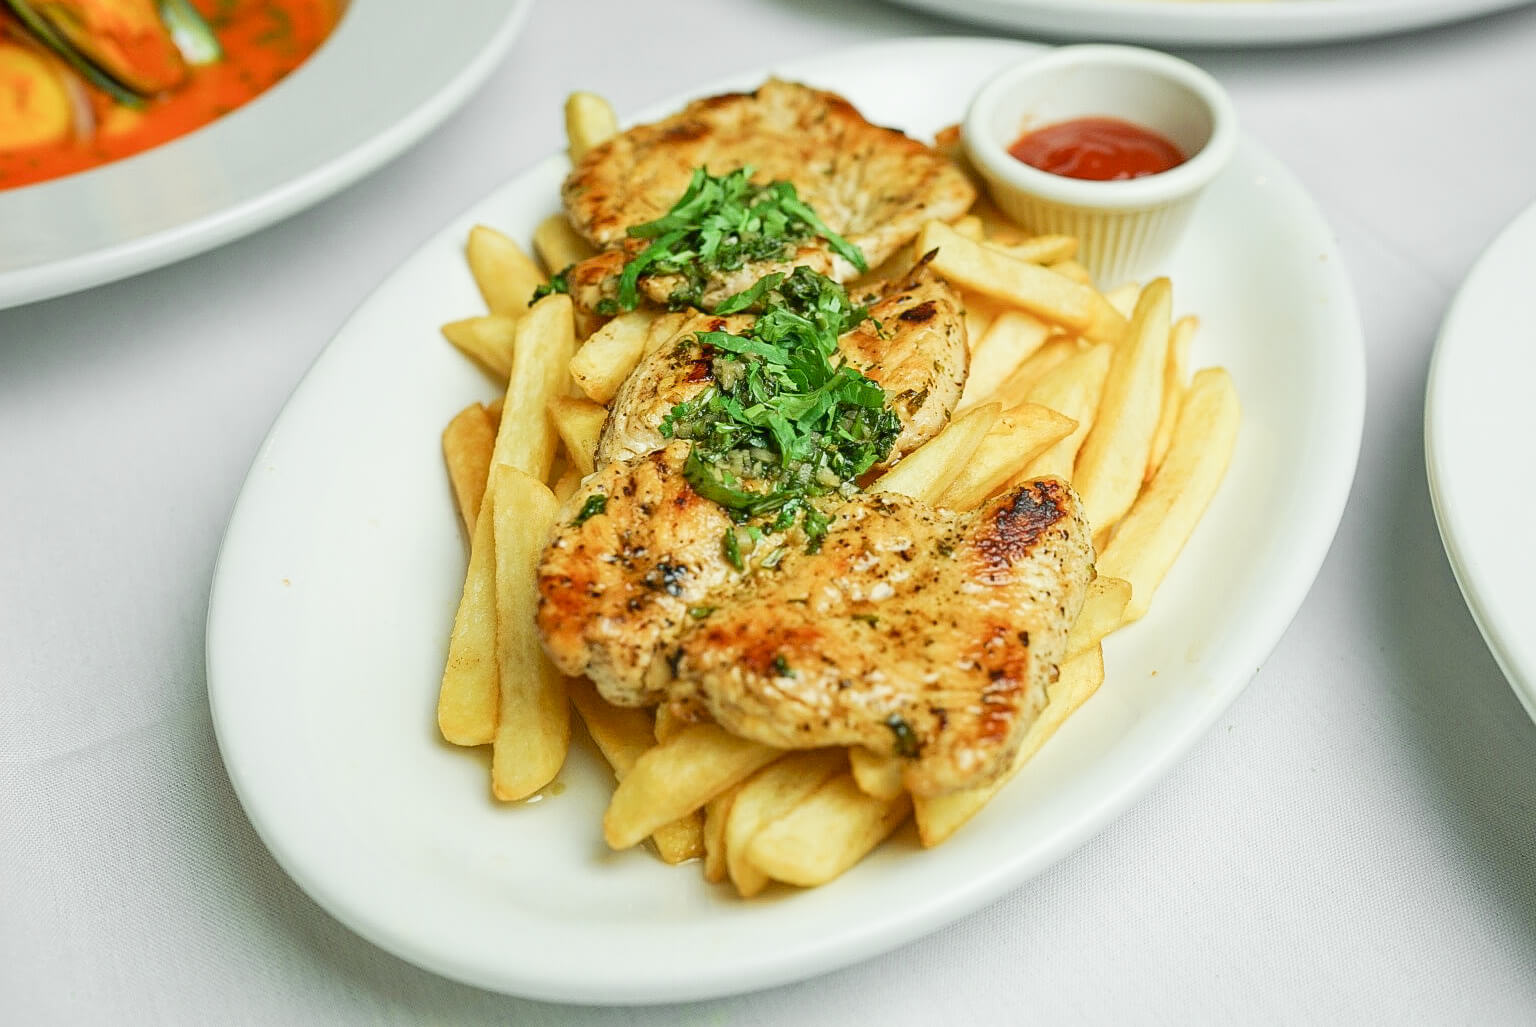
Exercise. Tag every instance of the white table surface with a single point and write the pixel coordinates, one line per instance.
(1354, 842)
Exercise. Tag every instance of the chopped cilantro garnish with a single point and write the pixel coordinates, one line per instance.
(560, 281)
(595, 504)
(700, 612)
(722, 223)
(782, 668)
(787, 420)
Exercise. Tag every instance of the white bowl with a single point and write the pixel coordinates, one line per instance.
(1125, 227)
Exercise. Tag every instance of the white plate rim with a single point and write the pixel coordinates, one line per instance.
(1329, 489)
(1173, 22)
(45, 263)
(1466, 502)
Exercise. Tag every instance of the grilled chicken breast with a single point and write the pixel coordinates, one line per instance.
(912, 631)
(615, 588)
(914, 346)
(873, 186)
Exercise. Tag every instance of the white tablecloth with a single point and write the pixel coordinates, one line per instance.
(1354, 842)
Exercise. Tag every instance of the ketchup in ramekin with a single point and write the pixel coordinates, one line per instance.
(1097, 149)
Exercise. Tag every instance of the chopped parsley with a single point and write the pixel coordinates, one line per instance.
(786, 420)
(595, 504)
(782, 668)
(722, 223)
(905, 742)
(560, 281)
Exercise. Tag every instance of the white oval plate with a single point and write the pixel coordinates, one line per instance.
(343, 562)
(1214, 22)
(1479, 423)
(390, 72)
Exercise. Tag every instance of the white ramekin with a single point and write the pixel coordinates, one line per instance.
(1125, 228)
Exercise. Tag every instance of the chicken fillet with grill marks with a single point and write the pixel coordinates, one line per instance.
(915, 632)
(873, 186)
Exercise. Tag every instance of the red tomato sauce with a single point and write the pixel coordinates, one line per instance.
(1097, 149)
(263, 41)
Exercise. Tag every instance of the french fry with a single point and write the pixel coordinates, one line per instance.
(1017, 438)
(716, 811)
(681, 840)
(1123, 298)
(931, 468)
(765, 797)
(467, 444)
(826, 833)
(980, 312)
(589, 120)
(678, 777)
(557, 244)
(533, 722)
(1041, 291)
(1041, 249)
(546, 338)
(1012, 337)
(623, 734)
(1110, 466)
(466, 701)
(579, 423)
(1152, 534)
(1103, 611)
(1073, 388)
(610, 354)
(668, 723)
(940, 816)
(875, 774)
(1179, 342)
(487, 340)
(566, 484)
(504, 273)
(525, 440)
(970, 226)
(1073, 270)
(1058, 348)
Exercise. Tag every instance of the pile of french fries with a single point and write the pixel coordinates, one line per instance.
(1065, 380)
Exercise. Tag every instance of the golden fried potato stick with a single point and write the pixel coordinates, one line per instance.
(579, 423)
(589, 120)
(1123, 298)
(1016, 439)
(467, 444)
(1012, 338)
(1179, 343)
(487, 340)
(533, 721)
(1058, 348)
(1113, 459)
(1072, 388)
(677, 777)
(1071, 269)
(1041, 249)
(1103, 612)
(1041, 291)
(826, 833)
(940, 816)
(525, 440)
(765, 797)
(716, 811)
(505, 274)
(623, 734)
(557, 244)
(874, 773)
(611, 353)
(1152, 534)
(928, 470)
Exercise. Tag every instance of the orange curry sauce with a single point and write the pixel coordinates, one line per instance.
(263, 40)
